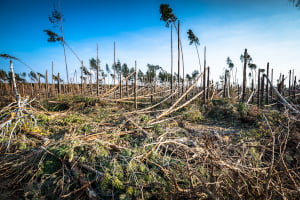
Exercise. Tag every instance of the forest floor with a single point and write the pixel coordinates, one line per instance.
(84, 148)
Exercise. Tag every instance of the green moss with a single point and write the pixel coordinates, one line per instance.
(242, 109)
(73, 119)
(130, 191)
(86, 128)
(117, 183)
(193, 116)
(42, 119)
(22, 146)
(157, 128)
(50, 165)
(145, 118)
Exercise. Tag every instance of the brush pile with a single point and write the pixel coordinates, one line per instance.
(84, 148)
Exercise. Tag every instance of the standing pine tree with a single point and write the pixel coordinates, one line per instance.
(56, 19)
(169, 18)
(194, 40)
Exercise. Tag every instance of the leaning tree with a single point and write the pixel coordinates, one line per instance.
(194, 40)
(169, 18)
(56, 19)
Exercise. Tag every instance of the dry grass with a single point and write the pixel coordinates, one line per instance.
(100, 150)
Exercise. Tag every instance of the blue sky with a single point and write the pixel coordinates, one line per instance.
(269, 29)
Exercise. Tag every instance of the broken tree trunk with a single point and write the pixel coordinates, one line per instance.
(14, 83)
(282, 99)
(135, 85)
(267, 85)
(244, 76)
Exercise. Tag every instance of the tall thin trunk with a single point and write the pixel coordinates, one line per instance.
(267, 85)
(81, 85)
(91, 82)
(179, 50)
(39, 82)
(198, 58)
(204, 77)
(271, 91)
(14, 83)
(182, 70)
(208, 72)
(182, 61)
(252, 89)
(225, 85)
(65, 56)
(258, 87)
(294, 87)
(282, 85)
(244, 76)
(172, 80)
(63, 44)
(97, 79)
(135, 85)
(178, 43)
(235, 79)
(114, 67)
(58, 83)
(52, 78)
(46, 83)
(120, 79)
(290, 79)
(262, 90)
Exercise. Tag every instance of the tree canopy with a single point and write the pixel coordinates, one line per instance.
(193, 38)
(295, 3)
(55, 19)
(229, 63)
(167, 14)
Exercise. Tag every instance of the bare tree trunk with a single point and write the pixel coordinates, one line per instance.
(262, 90)
(271, 91)
(204, 77)
(65, 56)
(39, 83)
(252, 89)
(282, 99)
(198, 58)
(244, 76)
(282, 86)
(207, 91)
(120, 79)
(46, 84)
(225, 85)
(178, 34)
(58, 82)
(295, 83)
(91, 82)
(290, 79)
(114, 68)
(258, 87)
(97, 79)
(172, 80)
(267, 85)
(81, 88)
(14, 83)
(52, 78)
(135, 85)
